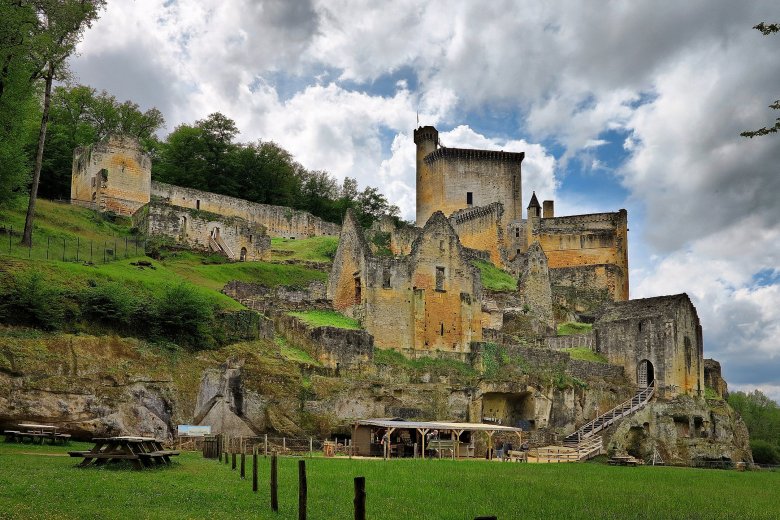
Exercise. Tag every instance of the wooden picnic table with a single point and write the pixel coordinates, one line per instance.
(623, 460)
(142, 452)
(36, 432)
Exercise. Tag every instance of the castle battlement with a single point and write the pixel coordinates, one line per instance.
(469, 154)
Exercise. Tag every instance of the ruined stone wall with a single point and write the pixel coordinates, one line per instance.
(113, 175)
(331, 346)
(714, 379)
(664, 331)
(279, 221)
(584, 289)
(534, 285)
(516, 240)
(481, 228)
(388, 310)
(348, 275)
(595, 370)
(429, 301)
(597, 239)
(401, 237)
(194, 228)
(587, 341)
(447, 292)
(264, 299)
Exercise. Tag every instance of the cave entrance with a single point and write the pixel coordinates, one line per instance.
(645, 374)
(515, 409)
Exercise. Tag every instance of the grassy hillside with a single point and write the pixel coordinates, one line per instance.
(72, 294)
(315, 249)
(495, 279)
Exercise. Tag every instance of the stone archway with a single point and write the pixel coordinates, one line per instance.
(243, 255)
(645, 374)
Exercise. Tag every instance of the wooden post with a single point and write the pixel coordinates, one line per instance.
(266, 445)
(360, 498)
(302, 490)
(274, 485)
(227, 458)
(243, 464)
(311, 447)
(254, 470)
(414, 456)
(284, 444)
(233, 461)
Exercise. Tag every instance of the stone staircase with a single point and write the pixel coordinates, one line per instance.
(641, 398)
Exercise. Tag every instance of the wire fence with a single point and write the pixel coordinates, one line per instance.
(70, 249)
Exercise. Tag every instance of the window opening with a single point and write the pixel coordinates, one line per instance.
(439, 278)
(469, 198)
(441, 330)
(517, 232)
(386, 278)
(197, 204)
(358, 291)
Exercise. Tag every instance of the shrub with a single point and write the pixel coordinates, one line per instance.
(764, 452)
(182, 315)
(29, 299)
(110, 303)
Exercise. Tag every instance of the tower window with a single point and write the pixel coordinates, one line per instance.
(439, 278)
(197, 204)
(469, 198)
(441, 330)
(517, 232)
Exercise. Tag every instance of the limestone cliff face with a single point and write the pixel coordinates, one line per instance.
(89, 386)
(684, 430)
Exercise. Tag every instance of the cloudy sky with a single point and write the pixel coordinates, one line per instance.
(634, 105)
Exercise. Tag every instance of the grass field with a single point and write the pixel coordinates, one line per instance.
(36, 485)
(585, 354)
(573, 327)
(494, 278)
(56, 221)
(327, 319)
(315, 249)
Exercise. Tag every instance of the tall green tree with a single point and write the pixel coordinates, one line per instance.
(766, 29)
(60, 26)
(18, 105)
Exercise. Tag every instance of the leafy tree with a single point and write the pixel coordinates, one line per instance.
(760, 413)
(60, 25)
(17, 95)
(766, 29)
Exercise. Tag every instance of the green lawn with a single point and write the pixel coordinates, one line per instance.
(573, 327)
(585, 354)
(41, 486)
(327, 319)
(494, 278)
(315, 249)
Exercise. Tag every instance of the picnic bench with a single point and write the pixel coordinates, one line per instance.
(142, 452)
(36, 433)
(624, 460)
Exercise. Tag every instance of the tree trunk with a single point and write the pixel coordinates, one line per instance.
(28, 222)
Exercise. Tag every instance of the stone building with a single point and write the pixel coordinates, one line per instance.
(655, 340)
(116, 176)
(427, 302)
(232, 237)
(113, 175)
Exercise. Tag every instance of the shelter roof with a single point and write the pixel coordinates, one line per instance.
(435, 425)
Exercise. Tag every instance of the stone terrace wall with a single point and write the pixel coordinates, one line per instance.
(193, 228)
(583, 289)
(333, 347)
(592, 369)
(279, 221)
(264, 299)
(573, 341)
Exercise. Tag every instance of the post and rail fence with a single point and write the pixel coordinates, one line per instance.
(74, 248)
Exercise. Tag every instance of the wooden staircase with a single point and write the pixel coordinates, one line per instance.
(603, 421)
(218, 245)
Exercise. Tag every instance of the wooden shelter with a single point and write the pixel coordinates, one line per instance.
(393, 437)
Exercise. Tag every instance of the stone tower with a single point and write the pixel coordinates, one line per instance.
(427, 140)
(453, 179)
